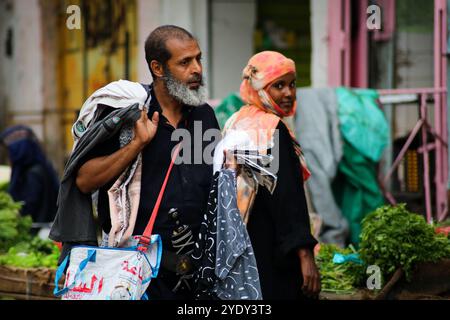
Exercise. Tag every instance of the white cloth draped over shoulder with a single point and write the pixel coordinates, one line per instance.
(124, 195)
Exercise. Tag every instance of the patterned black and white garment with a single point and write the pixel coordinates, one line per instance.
(226, 263)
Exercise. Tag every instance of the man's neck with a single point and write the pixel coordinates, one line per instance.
(171, 108)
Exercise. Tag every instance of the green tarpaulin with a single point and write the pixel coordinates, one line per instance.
(227, 107)
(366, 134)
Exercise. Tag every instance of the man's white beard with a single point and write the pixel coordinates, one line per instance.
(182, 93)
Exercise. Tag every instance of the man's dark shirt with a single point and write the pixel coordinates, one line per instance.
(188, 185)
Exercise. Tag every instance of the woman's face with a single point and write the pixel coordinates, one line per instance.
(283, 91)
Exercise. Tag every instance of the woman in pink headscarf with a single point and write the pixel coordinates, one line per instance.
(278, 224)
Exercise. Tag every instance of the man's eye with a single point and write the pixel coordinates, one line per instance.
(293, 85)
(184, 62)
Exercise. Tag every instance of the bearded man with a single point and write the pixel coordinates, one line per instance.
(177, 102)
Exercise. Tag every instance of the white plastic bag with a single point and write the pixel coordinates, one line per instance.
(104, 273)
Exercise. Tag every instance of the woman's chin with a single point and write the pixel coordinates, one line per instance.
(286, 110)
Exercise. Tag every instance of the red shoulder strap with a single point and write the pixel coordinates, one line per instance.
(145, 238)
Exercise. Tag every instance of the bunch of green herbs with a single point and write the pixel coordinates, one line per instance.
(17, 247)
(393, 237)
(13, 227)
(338, 278)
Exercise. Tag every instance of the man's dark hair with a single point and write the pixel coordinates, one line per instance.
(155, 45)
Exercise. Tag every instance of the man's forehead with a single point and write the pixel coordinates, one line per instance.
(181, 48)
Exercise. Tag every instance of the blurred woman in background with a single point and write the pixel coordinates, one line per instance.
(33, 179)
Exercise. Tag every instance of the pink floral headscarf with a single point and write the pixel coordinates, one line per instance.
(261, 71)
(260, 110)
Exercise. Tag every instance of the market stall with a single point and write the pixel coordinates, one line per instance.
(400, 256)
(27, 262)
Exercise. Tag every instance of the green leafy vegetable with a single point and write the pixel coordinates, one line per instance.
(13, 227)
(338, 278)
(4, 186)
(34, 254)
(17, 247)
(392, 238)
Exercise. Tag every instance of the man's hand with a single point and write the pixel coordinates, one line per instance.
(144, 129)
(96, 172)
(311, 277)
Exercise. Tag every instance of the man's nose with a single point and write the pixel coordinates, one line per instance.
(196, 67)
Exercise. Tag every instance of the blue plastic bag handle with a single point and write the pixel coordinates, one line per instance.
(60, 271)
(339, 258)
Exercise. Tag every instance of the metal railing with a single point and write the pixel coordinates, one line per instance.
(439, 146)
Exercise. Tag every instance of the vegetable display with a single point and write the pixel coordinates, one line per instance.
(34, 254)
(392, 238)
(4, 186)
(17, 247)
(338, 277)
(13, 227)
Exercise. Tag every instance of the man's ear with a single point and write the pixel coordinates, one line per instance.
(157, 68)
